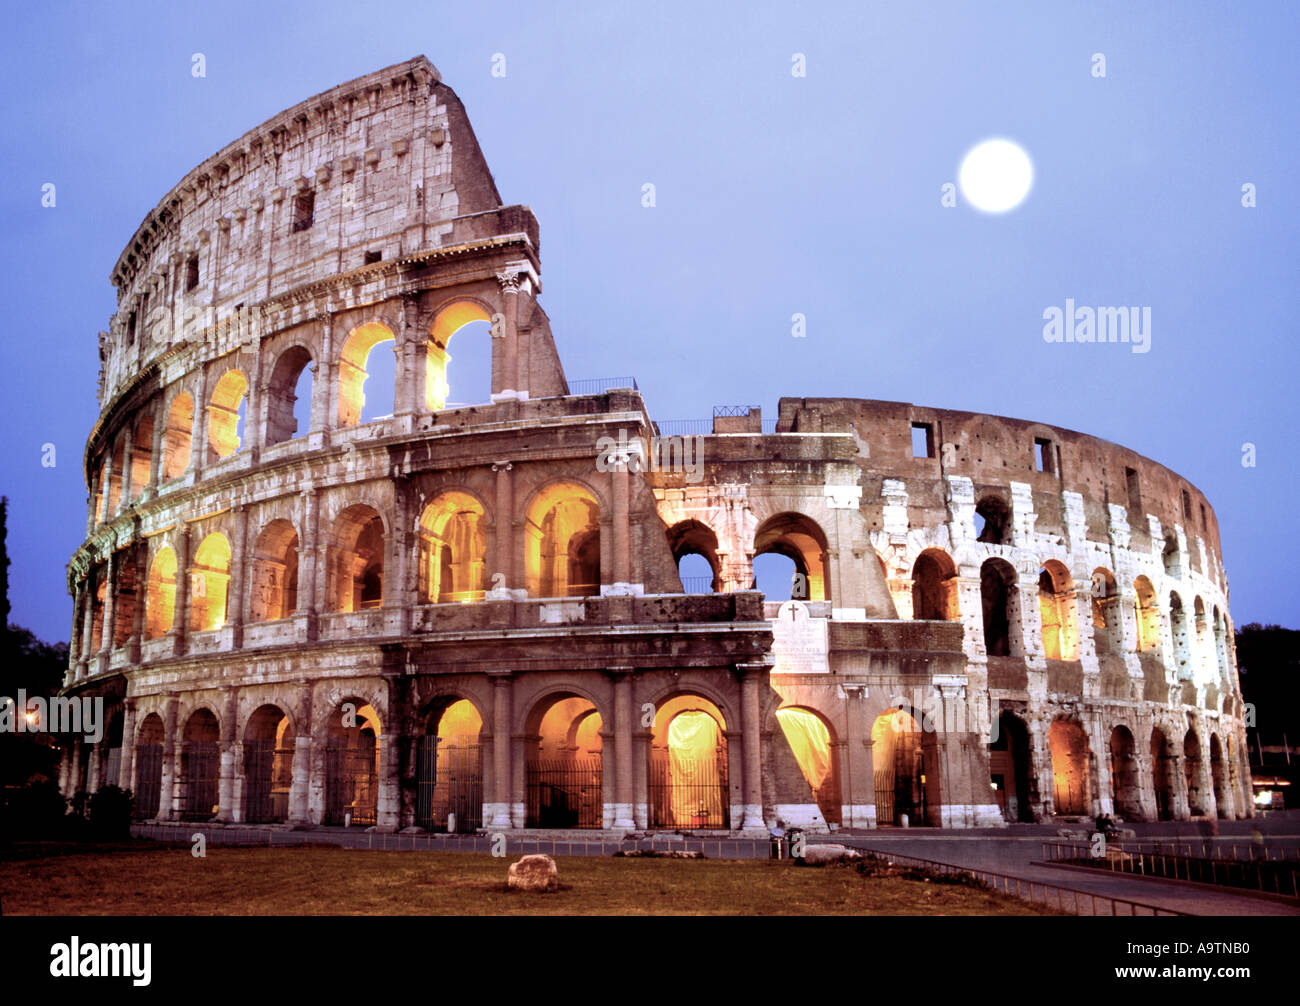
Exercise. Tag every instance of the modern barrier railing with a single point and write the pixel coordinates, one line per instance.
(1269, 876)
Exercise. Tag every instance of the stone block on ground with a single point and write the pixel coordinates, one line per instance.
(534, 873)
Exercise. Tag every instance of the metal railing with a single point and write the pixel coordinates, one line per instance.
(564, 792)
(689, 793)
(599, 385)
(1067, 899)
(1268, 876)
(697, 584)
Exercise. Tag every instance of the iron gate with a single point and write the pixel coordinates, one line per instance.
(200, 763)
(268, 775)
(564, 793)
(695, 796)
(351, 783)
(898, 794)
(148, 780)
(450, 781)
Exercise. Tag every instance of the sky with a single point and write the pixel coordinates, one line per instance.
(775, 195)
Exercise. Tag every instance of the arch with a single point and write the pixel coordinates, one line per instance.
(177, 436)
(1071, 778)
(1193, 773)
(352, 755)
(1126, 794)
(353, 361)
(141, 455)
(992, 521)
(900, 754)
(355, 567)
(160, 595)
(1056, 610)
(449, 777)
(1218, 777)
(934, 587)
(1148, 616)
(689, 764)
(812, 741)
(450, 320)
(1107, 626)
(1009, 769)
(1203, 660)
(226, 412)
(453, 549)
(1181, 637)
(564, 763)
(1169, 556)
(693, 538)
(273, 583)
(293, 369)
(562, 542)
(1000, 602)
(1220, 648)
(1162, 782)
(209, 582)
(200, 764)
(268, 765)
(800, 539)
(98, 602)
(113, 479)
(148, 766)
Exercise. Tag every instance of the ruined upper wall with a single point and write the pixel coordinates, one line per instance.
(385, 165)
(994, 451)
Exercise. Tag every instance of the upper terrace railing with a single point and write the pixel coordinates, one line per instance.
(599, 385)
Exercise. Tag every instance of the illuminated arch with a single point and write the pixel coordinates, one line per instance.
(1107, 628)
(1148, 616)
(449, 779)
(934, 587)
(812, 741)
(160, 595)
(1125, 791)
(450, 320)
(177, 436)
(273, 584)
(564, 763)
(688, 768)
(141, 455)
(200, 765)
(352, 368)
(453, 549)
(268, 765)
(356, 560)
(352, 753)
(225, 410)
(1071, 775)
(209, 582)
(798, 538)
(1056, 610)
(692, 538)
(905, 765)
(293, 369)
(562, 546)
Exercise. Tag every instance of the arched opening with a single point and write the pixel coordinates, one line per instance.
(226, 414)
(148, 767)
(1071, 780)
(799, 539)
(160, 596)
(1220, 648)
(992, 521)
(449, 781)
(1148, 616)
(813, 743)
(695, 551)
(471, 381)
(999, 600)
(200, 764)
(209, 581)
(688, 765)
(1162, 775)
(352, 765)
(1107, 627)
(367, 380)
(900, 754)
(1125, 792)
(1056, 609)
(356, 560)
(141, 455)
(934, 587)
(125, 594)
(1217, 776)
(1204, 657)
(98, 603)
(1181, 640)
(1009, 769)
(563, 542)
(288, 396)
(778, 577)
(111, 749)
(1169, 557)
(177, 436)
(273, 586)
(563, 765)
(1193, 773)
(453, 548)
(113, 480)
(268, 766)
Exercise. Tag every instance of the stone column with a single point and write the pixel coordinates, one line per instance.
(109, 627)
(181, 613)
(496, 814)
(298, 788)
(622, 539)
(236, 599)
(751, 677)
(324, 391)
(399, 593)
(311, 575)
(141, 598)
(857, 782)
(159, 432)
(390, 798)
(88, 642)
(128, 452)
(504, 550)
(623, 767)
(508, 345)
(167, 803)
(126, 766)
(228, 808)
(199, 438)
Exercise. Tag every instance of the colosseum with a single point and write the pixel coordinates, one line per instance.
(471, 613)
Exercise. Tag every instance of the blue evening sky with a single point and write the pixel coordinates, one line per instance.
(775, 195)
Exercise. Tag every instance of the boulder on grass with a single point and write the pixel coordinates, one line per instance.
(534, 873)
(828, 852)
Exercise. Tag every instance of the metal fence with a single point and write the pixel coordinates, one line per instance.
(697, 584)
(599, 385)
(449, 782)
(898, 794)
(564, 793)
(1270, 876)
(200, 764)
(689, 793)
(148, 780)
(351, 784)
(1063, 899)
(268, 775)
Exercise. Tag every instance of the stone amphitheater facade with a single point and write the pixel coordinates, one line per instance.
(464, 616)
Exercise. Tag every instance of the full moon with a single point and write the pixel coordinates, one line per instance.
(996, 176)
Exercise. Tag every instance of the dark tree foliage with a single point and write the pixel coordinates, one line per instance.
(1268, 661)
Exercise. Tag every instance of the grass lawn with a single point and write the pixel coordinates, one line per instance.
(149, 879)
